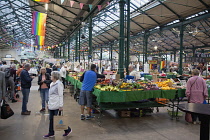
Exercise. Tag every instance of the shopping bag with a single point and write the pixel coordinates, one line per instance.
(6, 111)
(60, 123)
(204, 102)
(188, 117)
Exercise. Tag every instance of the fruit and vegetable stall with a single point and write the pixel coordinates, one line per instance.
(118, 94)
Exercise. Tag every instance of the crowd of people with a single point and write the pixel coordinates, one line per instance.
(52, 82)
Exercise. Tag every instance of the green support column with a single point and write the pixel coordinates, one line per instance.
(79, 44)
(111, 54)
(54, 55)
(69, 49)
(121, 39)
(64, 49)
(90, 38)
(175, 56)
(128, 37)
(193, 50)
(60, 51)
(166, 60)
(101, 56)
(76, 49)
(146, 36)
(181, 49)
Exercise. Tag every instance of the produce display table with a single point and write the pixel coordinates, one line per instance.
(128, 99)
(127, 96)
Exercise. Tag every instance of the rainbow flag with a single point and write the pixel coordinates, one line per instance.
(47, 1)
(40, 40)
(39, 23)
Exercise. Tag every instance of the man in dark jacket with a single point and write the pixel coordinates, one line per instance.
(25, 88)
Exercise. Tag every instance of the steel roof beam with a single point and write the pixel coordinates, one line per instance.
(17, 18)
(206, 22)
(167, 27)
(192, 25)
(196, 38)
(143, 12)
(206, 5)
(85, 18)
(63, 8)
(54, 13)
(160, 1)
(177, 37)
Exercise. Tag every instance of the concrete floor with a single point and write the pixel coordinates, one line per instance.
(158, 126)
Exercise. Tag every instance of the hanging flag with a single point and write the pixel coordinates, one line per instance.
(99, 7)
(47, 1)
(90, 6)
(62, 1)
(81, 5)
(40, 40)
(72, 3)
(39, 23)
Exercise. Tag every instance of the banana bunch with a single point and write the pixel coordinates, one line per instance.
(109, 88)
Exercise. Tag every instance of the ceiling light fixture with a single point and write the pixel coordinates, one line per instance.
(155, 47)
(46, 6)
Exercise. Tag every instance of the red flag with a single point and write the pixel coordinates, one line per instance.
(72, 3)
(81, 5)
(99, 7)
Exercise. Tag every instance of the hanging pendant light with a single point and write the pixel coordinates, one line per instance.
(83, 36)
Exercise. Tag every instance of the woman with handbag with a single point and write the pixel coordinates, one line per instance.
(196, 91)
(55, 103)
(44, 83)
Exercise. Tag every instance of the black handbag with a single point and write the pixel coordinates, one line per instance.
(6, 111)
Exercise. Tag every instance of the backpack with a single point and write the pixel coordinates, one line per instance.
(7, 72)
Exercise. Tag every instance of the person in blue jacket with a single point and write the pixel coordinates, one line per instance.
(88, 80)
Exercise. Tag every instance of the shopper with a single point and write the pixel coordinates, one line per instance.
(2, 86)
(25, 88)
(89, 80)
(63, 74)
(55, 103)
(10, 84)
(13, 71)
(44, 83)
(196, 91)
(48, 69)
(19, 70)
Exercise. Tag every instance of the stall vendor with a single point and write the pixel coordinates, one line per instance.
(134, 73)
(173, 68)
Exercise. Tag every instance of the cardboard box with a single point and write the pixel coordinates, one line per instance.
(155, 77)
